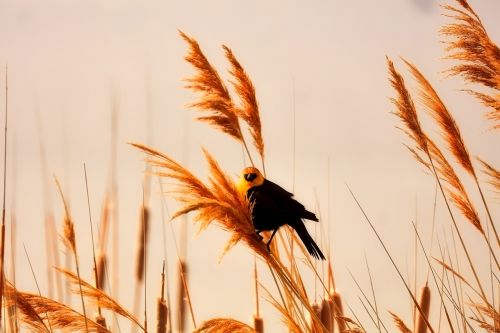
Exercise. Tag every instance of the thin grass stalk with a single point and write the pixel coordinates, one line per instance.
(337, 308)
(70, 242)
(113, 194)
(12, 310)
(36, 284)
(393, 263)
(2, 248)
(96, 274)
(373, 294)
(435, 278)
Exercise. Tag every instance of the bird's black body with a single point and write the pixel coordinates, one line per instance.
(273, 206)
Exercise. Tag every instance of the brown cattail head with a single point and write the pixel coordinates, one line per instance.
(100, 320)
(142, 239)
(161, 316)
(258, 324)
(425, 302)
(316, 313)
(101, 270)
(326, 315)
(181, 300)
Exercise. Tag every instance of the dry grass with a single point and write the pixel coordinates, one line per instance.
(221, 325)
(477, 56)
(493, 174)
(36, 312)
(216, 202)
(215, 99)
(98, 297)
(400, 323)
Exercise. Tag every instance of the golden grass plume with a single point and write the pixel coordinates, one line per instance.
(405, 108)
(400, 324)
(477, 55)
(249, 108)
(215, 98)
(492, 173)
(449, 128)
(97, 296)
(36, 310)
(223, 325)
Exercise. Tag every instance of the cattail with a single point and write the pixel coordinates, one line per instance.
(142, 238)
(316, 314)
(162, 308)
(99, 319)
(101, 270)
(326, 315)
(161, 316)
(258, 324)
(425, 302)
(181, 300)
(338, 310)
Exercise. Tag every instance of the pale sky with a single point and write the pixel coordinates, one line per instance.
(67, 60)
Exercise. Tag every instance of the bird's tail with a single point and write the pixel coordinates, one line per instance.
(308, 241)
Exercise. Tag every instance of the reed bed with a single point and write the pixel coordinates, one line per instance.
(467, 302)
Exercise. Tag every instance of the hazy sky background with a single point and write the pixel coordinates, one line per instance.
(67, 61)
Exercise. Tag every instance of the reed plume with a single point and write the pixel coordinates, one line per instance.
(477, 55)
(249, 108)
(223, 325)
(215, 99)
(35, 310)
(449, 131)
(400, 324)
(449, 128)
(493, 174)
(405, 109)
(98, 296)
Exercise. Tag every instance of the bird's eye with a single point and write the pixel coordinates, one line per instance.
(250, 176)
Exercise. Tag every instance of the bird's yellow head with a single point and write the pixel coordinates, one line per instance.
(250, 177)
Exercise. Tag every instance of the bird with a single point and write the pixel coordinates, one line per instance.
(272, 206)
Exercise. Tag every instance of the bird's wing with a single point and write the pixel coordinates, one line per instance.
(285, 201)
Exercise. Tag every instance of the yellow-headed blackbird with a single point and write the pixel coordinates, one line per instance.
(272, 206)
